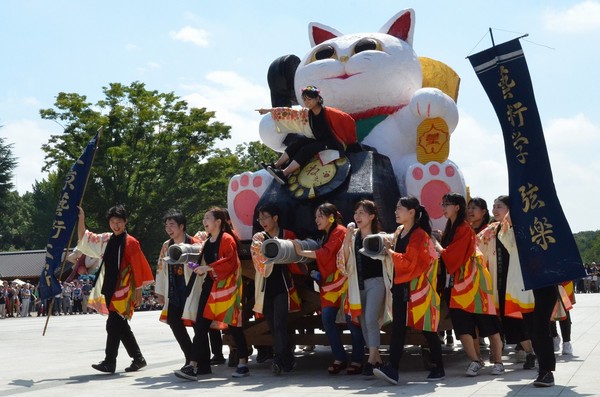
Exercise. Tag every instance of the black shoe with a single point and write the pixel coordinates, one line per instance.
(544, 379)
(387, 373)
(278, 175)
(276, 368)
(217, 360)
(290, 367)
(104, 366)
(241, 372)
(188, 372)
(267, 166)
(264, 353)
(529, 361)
(136, 365)
(368, 368)
(203, 371)
(436, 374)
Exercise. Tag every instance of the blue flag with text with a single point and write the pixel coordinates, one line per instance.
(547, 249)
(65, 219)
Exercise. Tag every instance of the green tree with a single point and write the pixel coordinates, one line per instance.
(17, 222)
(152, 156)
(589, 246)
(8, 162)
(43, 198)
(218, 169)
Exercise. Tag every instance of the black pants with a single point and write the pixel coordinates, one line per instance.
(216, 342)
(118, 330)
(200, 345)
(276, 313)
(565, 328)
(399, 312)
(304, 149)
(174, 313)
(541, 339)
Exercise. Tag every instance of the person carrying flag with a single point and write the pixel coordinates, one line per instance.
(118, 289)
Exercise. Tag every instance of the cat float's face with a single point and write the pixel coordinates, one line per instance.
(360, 72)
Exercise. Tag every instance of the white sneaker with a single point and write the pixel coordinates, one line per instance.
(567, 349)
(474, 368)
(556, 341)
(498, 369)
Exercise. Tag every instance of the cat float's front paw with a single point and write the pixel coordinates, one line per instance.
(430, 182)
(429, 103)
(242, 196)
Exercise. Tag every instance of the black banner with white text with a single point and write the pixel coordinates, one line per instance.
(547, 249)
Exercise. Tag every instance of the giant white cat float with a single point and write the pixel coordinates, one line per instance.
(391, 94)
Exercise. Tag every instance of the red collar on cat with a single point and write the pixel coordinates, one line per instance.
(378, 111)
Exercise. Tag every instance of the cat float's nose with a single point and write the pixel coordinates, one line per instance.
(344, 58)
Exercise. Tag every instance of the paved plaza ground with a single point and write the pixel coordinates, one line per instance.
(58, 364)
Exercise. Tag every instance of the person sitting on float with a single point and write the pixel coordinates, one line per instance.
(329, 127)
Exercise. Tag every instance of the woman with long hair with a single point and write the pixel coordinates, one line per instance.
(513, 303)
(333, 286)
(367, 287)
(471, 301)
(329, 128)
(412, 262)
(478, 214)
(215, 294)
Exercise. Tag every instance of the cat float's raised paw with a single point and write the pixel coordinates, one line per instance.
(242, 196)
(430, 182)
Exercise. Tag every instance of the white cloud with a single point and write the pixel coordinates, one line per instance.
(572, 147)
(192, 35)
(27, 138)
(233, 99)
(581, 18)
(132, 47)
(32, 101)
(149, 66)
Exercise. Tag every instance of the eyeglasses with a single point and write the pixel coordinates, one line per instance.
(263, 218)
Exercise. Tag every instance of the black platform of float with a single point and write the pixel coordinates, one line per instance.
(369, 175)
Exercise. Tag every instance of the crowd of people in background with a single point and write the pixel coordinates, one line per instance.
(589, 284)
(22, 299)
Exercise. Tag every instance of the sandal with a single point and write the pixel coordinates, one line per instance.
(354, 369)
(336, 368)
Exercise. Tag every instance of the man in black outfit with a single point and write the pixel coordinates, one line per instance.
(123, 273)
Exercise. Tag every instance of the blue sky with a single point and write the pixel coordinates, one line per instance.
(216, 55)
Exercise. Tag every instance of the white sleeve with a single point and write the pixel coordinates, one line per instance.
(92, 244)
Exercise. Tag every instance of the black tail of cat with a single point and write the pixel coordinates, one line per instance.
(281, 80)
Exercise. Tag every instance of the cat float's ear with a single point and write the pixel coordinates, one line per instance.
(318, 33)
(401, 25)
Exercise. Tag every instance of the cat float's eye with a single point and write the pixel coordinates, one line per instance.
(324, 52)
(367, 44)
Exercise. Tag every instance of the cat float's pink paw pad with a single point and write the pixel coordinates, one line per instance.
(243, 194)
(430, 182)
